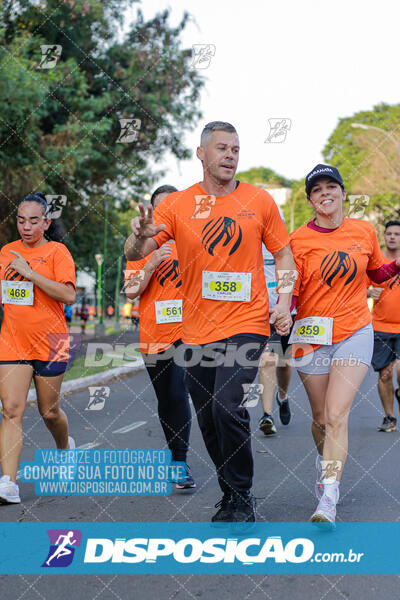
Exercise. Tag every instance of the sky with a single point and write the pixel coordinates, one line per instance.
(307, 61)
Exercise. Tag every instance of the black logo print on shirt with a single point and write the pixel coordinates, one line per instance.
(394, 282)
(169, 270)
(10, 274)
(222, 230)
(337, 265)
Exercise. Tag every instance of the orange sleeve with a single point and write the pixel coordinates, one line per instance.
(163, 215)
(376, 258)
(275, 235)
(64, 266)
(135, 265)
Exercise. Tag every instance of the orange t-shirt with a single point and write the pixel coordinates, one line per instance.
(217, 235)
(332, 267)
(37, 332)
(386, 314)
(165, 284)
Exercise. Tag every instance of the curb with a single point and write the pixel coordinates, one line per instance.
(77, 385)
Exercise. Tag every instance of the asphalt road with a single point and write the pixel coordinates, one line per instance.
(284, 484)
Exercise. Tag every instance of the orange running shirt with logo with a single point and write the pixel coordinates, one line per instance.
(386, 313)
(219, 241)
(164, 286)
(37, 332)
(332, 269)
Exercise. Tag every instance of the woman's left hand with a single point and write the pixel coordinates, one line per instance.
(20, 265)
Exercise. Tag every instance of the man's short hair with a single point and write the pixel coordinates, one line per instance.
(215, 126)
(391, 223)
(163, 189)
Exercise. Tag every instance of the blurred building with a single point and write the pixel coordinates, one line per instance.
(86, 287)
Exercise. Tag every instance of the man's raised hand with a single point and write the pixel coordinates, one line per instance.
(143, 226)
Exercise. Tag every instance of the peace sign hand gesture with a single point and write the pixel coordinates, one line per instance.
(144, 226)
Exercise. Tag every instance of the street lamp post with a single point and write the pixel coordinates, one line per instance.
(117, 291)
(99, 327)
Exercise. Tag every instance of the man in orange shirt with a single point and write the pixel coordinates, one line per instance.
(157, 280)
(386, 324)
(219, 226)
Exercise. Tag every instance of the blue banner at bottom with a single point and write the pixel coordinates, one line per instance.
(194, 548)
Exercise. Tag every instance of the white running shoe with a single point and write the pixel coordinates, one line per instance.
(9, 491)
(326, 510)
(319, 488)
(71, 443)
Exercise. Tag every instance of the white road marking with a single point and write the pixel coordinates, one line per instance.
(130, 427)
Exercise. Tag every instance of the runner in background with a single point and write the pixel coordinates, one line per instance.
(386, 324)
(135, 315)
(37, 276)
(68, 315)
(157, 280)
(332, 334)
(273, 364)
(127, 309)
(84, 314)
(219, 226)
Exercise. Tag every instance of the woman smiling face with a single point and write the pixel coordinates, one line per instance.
(326, 198)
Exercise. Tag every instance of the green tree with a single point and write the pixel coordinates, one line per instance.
(369, 159)
(60, 126)
(257, 175)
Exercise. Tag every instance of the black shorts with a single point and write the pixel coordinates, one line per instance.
(41, 368)
(278, 343)
(386, 349)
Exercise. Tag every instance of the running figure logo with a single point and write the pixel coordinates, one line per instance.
(62, 547)
(203, 206)
(222, 230)
(339, 264)
(133, 280)
(168, 270)
(55, 204)
(202, 55)
(357, 205)
(50, 56)
(251, 394)
(98, 396)
(278, 129)
(331, 469)
(129, 130)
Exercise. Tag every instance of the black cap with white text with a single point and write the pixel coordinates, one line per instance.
(322, 171)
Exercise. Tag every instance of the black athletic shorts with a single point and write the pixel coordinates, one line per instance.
(386, 349)
(278, 343)
(41, 368)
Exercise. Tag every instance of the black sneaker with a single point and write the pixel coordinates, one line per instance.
(388, 424)
(266, 424)
(243, 507)
(224, 512)
(188, 483)
(284, 410)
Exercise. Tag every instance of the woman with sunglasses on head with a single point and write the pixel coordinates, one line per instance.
(37, 276)
(332, 335)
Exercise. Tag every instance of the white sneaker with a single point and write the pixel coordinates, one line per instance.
(71, 443)
(319, 488)
(9, 491)
(326, 510)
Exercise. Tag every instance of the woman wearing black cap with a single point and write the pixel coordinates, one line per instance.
(332, 335)
(37, 277)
